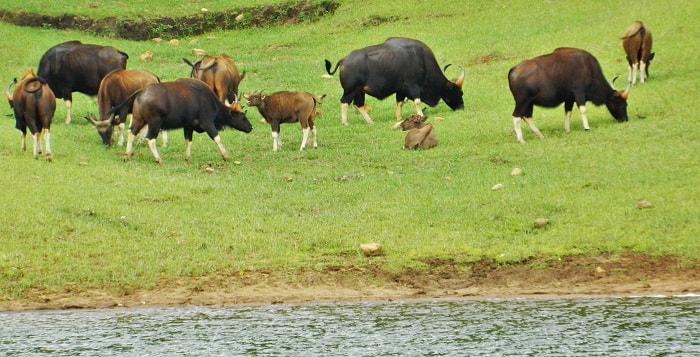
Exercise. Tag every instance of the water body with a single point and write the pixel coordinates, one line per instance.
(629, 326)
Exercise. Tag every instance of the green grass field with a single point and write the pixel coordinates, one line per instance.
(90, 220)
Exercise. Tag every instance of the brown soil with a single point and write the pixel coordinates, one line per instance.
(169, 27)
(629, 274)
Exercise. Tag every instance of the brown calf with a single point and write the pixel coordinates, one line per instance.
(34, 105)
(637, 44)
(421, 135)
(287, 107)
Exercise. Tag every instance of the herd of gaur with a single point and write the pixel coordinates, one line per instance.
(209, 100)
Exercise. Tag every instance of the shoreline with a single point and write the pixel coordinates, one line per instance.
(573, 277)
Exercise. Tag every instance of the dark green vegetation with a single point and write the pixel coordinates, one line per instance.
(89, 220)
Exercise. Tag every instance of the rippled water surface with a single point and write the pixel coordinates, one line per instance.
(642, 326)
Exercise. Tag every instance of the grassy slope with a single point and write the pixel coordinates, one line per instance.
(289, 209)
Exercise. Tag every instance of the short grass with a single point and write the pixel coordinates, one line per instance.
(89, 220)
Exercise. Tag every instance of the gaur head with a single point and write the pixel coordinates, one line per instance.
(104, 128)
(413, 121)
(452, 93)
(236, 118)
(617, 102)
(9, 93)
(254, 99)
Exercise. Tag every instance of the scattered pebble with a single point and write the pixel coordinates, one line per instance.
(146, 56)
(516, 172)
(371, 249)
(644, 204)
(198, 52)
(497, 186)
(209, 170)
(599, 270)
(539, 222)
(174, 42)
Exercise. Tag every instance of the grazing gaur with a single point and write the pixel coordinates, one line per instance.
(400, 66)
(287, 107)
(567, 75)
(75, 67)
(33, 104)
(421, 135)
(115, 88)
(185, 103)
(219, 73)
(637, 44)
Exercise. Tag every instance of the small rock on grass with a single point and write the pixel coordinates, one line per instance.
(371, 249)
(644, 204)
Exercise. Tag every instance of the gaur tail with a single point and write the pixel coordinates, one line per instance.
(128, 103)
(319, 99)
(27, 86)
(328, 66)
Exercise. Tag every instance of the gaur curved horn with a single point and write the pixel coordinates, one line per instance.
(91, 118)
(460, 80)
(612, 83)
(624, 94)
(7, 91)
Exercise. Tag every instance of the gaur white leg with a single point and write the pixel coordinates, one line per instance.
(629, 74)
(224, 154)
(305, 136)
(129, 146)
(418, 104)
(635, 66)
(344, 113)
(23, 144)
(584, 118)
(567, 121)
(399, 106)
(154, 150)
(188, 149)
(276, 141)
(397, 115)
(47, 141)
(363, 111)
(533, 127)
(164, 138)
(518, 129)
(36, 141)
(68, 106)
(642, 72)
(313, 132)
(121, 127)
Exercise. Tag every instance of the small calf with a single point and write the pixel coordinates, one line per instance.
(287, 107)
(421, 135)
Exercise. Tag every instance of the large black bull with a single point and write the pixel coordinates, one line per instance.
(567, 75)
(76, 67)
(185, 103)
(402, 66)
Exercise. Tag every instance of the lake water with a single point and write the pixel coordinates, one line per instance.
(623, 326)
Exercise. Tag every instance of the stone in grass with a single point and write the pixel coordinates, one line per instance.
(371, 249)
(541, 222)
(516, 172)
(644, 204)
(497, 186)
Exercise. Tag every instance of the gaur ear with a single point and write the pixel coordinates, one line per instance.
(651, 57)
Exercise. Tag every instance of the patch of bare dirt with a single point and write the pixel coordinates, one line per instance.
(628, 274)
(170, 27)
